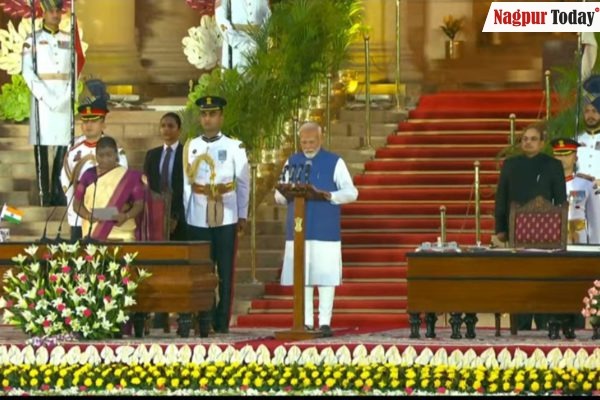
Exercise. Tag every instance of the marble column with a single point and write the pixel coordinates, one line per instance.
(109, 29)
(162, 24)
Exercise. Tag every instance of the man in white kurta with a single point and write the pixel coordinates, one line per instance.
(216, 194)
(50, 85)
(588, 153)
(82, 156)
(584, 213)
(323, 260)
(235, 18)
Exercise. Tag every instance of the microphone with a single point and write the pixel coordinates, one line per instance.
(307, 168)
(292, 170)
(44, 238)
(299, 174)
(283, 176)
(58, 238)
(88, 238)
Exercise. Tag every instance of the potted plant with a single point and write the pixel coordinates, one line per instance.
(451, 27)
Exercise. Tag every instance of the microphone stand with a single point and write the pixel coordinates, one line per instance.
(88, 238)
(58, 238)
(73, 72)
(579, 83)
(36, 106)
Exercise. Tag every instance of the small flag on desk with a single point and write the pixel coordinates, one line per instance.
(11, 214)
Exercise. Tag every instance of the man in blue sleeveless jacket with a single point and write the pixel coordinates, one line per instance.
(323, 266)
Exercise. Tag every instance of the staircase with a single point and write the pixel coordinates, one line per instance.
(427, 163)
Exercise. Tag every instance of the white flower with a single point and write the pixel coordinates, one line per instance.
(202, 46)
(20, 259)
(91, 249)
(113, 266)
(129, 301)
(2, 302)
(129, 257)
(52, 248)
(143, 274)
(121, 317)
(31, 250)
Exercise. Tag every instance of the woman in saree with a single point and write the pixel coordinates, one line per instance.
(111, 185)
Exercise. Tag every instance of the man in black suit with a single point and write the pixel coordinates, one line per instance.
(165, 178)
(164, 168)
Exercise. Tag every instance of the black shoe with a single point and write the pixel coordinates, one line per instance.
(569, 333)
(309, 328)
(326, 330)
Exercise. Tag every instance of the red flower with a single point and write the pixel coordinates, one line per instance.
(9, 303)
(47, 256)
(80, 291)
(243, 388)
(60, 307)
(45, 387)
(101, 278)
(107, 299)
(89, 258)
(40, 292)
(82, 388)
(31, 306)
(441, 390)
(67, 321)
(480, 389)
(66, 269)
(60, 290)
(366, 388)
(23, 278)
(125, 281)
(87, 313)
(325, 388)
(46, 323)
(53, 278)
(409, 390)
(288, 388)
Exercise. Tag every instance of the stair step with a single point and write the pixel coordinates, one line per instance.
(350, 238)
(461, 178)
(453, 152)
(431, 165)
(374, 320)
(391, 306)
(413, 224)
(465, 125)
(350, 272)
(389, 208)
(348, 289)
(424, 193)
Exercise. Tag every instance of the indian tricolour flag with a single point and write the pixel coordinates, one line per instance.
(11, 214)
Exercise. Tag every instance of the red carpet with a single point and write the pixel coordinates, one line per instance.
(428, 163)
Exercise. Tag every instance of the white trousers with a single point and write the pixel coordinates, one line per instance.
(326, 294)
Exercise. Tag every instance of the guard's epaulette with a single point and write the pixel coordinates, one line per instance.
(585, 176)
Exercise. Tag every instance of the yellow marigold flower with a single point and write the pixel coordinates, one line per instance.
(281, 382)
(186, 382)
(535, 387)
(359, 383)
(175, 382)
(580, 377)
(34, 382)
(598, 385)
(572, 385)
(350, 374)
(559, 384)
(424, 383)
(337, 374)
(33, 373)
(110, 386)
(520, 386)
(548, 385)
(294, 381)
(138, 369)
(365, 374)
(314, 374)
(136, 381)
(160, 382)
(477, 385)
(394, 383)
(246, 382)
(88, 382)
(5, 383)
(48, 372)
(394, 373)
(566, 377)
(271, 382)
(410, 383)
(329, 382)
(149, 380)
(493, 388)
(318, 382)
(519, 378)
(99, 382)
(60, 383)
(410, 374)
(219, 381)
(195, 374)
(287, 374)
(185, 372)
(118, 372)
(449, 384)
(587, 386)
(123, 383)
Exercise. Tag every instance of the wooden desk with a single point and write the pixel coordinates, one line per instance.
(183, 278)
(497, 282)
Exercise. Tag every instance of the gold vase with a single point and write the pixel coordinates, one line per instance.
(454, 49)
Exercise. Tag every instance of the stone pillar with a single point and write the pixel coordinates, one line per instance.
(109, 29)
(162, 25)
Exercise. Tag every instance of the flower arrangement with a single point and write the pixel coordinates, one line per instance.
(70, 290)
(15, 96)
(452, 26)
(591, 303)
(203, 45)
(212, 370)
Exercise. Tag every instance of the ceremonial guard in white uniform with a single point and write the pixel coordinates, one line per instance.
(235, 18)
(82, 155)
(216, 194)
(584, 213)
(588, 153)
(50, 84)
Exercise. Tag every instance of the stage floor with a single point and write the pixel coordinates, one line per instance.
(240, 337)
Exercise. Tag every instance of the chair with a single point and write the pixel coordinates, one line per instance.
(537, 224)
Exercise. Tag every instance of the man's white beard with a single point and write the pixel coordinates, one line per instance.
(311, 155)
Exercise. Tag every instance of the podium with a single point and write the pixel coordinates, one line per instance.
(300, 193)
